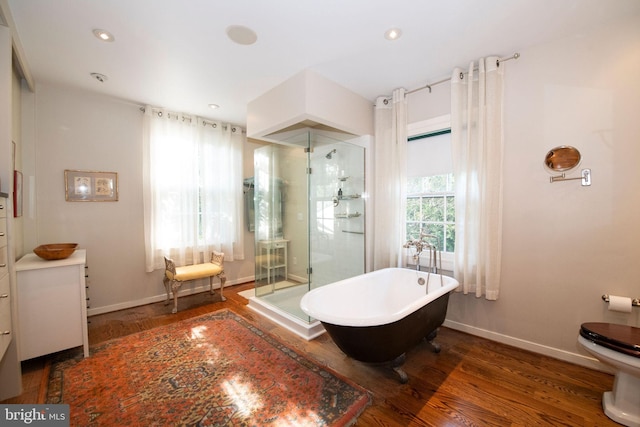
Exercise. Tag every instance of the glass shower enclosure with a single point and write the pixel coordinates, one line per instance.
(309, 216)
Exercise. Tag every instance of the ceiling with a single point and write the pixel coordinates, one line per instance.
(176, 54)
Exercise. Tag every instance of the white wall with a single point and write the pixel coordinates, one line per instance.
(70, 129)
(564, 245)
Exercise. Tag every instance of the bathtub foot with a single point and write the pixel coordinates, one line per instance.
(429, 338)
(435, 346)
(396, 366)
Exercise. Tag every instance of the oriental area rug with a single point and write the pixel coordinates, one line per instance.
(212, 370)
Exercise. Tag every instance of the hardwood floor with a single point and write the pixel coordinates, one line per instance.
(472, 381)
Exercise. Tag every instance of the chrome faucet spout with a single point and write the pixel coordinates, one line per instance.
(420, 244)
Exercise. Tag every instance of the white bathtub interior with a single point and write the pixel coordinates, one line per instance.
(376, 298)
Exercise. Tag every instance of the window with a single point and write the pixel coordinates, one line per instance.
(192, 189)
(430, 186)
(431, 208)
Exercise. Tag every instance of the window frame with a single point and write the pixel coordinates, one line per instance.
(422, 127)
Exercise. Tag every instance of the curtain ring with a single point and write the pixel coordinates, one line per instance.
(233, 129)
(214, 125)
(159, 113)
(461, 75)
(386, 101)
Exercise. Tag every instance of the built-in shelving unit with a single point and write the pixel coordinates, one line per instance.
(6, 325)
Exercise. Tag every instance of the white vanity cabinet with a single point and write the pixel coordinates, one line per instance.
(6, 330)
(52, 307)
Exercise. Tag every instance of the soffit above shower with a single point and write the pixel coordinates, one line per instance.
(308, 100)
(305, 124)
(292, 134)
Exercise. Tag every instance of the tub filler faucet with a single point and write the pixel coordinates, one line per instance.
(421, 244)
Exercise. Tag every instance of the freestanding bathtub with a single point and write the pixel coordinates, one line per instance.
(376, 317)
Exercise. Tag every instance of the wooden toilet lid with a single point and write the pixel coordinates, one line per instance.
(622, 338)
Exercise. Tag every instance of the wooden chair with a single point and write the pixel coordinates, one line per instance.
(174, 276)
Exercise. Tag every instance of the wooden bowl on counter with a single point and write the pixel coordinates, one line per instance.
(54, 251)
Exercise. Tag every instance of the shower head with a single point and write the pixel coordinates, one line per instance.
(331, 153)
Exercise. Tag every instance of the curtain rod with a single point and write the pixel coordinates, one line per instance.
(190, 117)
(498, 61)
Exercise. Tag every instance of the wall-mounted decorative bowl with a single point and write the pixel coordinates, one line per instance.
(55, 250)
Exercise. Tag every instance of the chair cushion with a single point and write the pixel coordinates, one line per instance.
(197, 271)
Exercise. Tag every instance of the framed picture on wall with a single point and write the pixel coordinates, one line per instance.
(17, 193)
(90, 186)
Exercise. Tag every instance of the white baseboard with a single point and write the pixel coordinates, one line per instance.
(576, 358)
(556, 353)
(163, 297)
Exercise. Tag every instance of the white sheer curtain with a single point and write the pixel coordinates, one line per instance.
(192, 189)
(477, 146)
(390, 161)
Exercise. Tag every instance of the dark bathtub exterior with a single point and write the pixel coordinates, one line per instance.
(385, 343)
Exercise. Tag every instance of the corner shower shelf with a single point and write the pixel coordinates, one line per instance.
(347, 215)
(349, 197)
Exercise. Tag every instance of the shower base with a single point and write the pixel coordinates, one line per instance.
(289, 298)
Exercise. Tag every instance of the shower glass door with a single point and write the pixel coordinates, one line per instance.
(281, 237)
(309, 216)
(337, 211)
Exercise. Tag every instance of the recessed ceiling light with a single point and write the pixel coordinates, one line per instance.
(393, 34)
(241, 35)
(103, 35)
(214, 106)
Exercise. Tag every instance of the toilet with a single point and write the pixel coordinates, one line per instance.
(617, 346)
